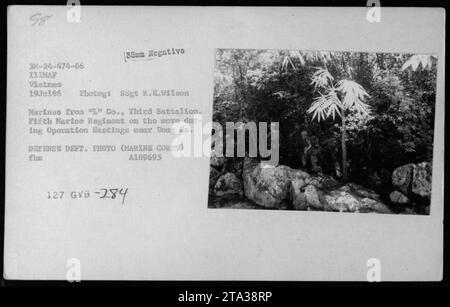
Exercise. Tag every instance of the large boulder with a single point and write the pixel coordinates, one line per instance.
(296, 173)
(421, 180)
(228, 183)
(306, 192)
(362, 191)
(344, 200)
(306, 196)
(275, 187)
(369, 205)
(402, 177)
(266, 185)
(398, 198)
(297, 195)
(313, 197)
(313, 194)
(322, 181)
(414, 180)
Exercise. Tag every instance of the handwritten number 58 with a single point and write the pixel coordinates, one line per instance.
(39, 19)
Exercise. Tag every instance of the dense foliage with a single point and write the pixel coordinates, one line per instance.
(278, 86)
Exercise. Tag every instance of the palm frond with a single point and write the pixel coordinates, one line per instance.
(326, 105)
(317, 107)
(354, 95)
(417, 60)
(322, 79)
(335, 104)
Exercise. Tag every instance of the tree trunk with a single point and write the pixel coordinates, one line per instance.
(344, 150)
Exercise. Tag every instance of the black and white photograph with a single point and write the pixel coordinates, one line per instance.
(355, 130)
(237, 151)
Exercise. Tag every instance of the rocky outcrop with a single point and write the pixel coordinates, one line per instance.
(351, 198)
(307, 193)
(249, 183)
(266, 185)
(363, 192)
(228, 184)
(398, 198)
(221, 166)
(298, 198)
(274, 187)
(345, 199)
(323, 182)
(413, 182)
(313, 197)
(402, 177)
(421, 181)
